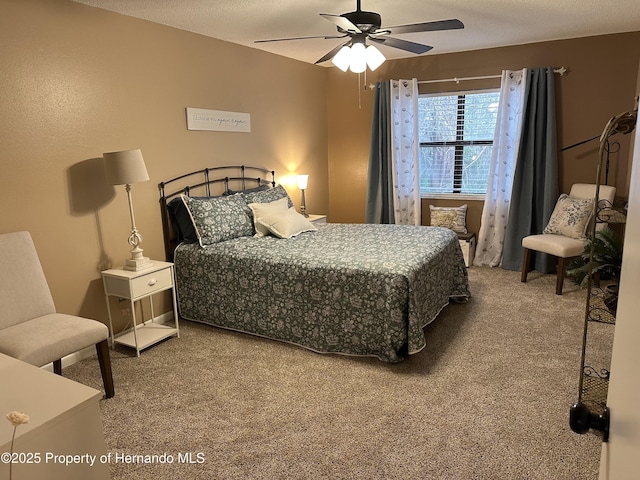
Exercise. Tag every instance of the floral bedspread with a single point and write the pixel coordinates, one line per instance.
(348, 288)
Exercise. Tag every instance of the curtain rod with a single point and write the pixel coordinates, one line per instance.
(561, 71)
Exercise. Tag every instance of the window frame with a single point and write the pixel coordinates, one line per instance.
(458, 145)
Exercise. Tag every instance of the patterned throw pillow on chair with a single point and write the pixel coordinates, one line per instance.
(444, 219)
(454, 218)
(570, 217)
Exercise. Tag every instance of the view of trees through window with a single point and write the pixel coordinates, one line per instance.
(456, 139)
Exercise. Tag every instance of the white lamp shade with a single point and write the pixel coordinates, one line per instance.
(125, 167)
(303, 180)
(342, 59)
(374, 57)
(358, 58)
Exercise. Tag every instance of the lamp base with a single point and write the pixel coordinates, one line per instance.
(137, 262)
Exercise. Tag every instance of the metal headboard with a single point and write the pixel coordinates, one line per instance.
(206, 183)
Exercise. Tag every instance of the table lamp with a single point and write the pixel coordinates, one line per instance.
(302, 185)
(124, 168)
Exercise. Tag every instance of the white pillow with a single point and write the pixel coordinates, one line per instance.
(287, 224)
(570, 216)
(262, 210)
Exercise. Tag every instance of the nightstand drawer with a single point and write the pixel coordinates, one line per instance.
(151, 282)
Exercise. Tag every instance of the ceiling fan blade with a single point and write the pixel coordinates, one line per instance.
(332, 53)
(412, 47)
(341, 22)
(452, 24)
(326, 37)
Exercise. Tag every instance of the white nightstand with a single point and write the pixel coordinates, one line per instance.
(468, 246)
(317, 218)
(135, 286)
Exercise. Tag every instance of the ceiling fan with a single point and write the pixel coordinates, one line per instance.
(361, 25)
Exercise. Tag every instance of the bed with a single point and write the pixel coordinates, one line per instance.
(353, 289)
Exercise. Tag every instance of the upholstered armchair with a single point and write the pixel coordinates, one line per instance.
(564, 235)
(30, 328)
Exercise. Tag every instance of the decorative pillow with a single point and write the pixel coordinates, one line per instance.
(181, 220)
(248, 190)
(454, 218)
(570, 216)
(287, 223)
(263, 210)
(217, 219)
(269, 195)
(444, 219)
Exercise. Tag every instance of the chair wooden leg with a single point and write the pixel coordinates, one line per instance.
(102, 350)
(526, 260)
(57, 366)
(560, 277)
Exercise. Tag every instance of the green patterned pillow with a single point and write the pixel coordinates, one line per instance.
(570, 217)
(268, 196)
(217, 219)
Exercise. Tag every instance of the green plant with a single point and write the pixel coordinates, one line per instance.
(606, 261)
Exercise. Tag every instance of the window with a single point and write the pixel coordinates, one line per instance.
(456, 138)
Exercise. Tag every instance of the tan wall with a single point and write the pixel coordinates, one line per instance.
(600, 84)
(78, 81)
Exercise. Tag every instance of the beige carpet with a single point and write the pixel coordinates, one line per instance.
(488, 398)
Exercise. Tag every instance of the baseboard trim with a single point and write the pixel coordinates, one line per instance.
(91, 351)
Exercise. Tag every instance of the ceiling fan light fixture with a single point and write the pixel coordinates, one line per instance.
(342, 59)
(361, 26)
(358, 58)
(374, 57)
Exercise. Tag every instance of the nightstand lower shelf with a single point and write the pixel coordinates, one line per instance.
(147, 334)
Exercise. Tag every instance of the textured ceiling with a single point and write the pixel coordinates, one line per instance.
(488, 23)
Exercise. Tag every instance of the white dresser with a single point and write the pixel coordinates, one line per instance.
(65, 420)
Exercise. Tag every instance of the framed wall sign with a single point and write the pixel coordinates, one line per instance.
(217, 120)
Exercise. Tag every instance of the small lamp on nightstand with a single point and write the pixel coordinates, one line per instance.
(125, 168)
(302, 185)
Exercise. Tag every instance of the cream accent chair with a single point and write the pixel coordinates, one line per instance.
(30, 328)
(560, 246)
